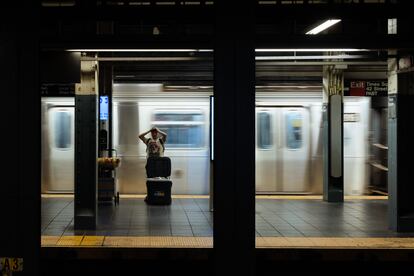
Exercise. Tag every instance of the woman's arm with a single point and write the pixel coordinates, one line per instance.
(163, 134)
(142, 136)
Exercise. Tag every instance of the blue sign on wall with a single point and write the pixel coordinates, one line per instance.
(103, 107)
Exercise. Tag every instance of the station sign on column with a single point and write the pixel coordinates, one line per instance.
(368, 88)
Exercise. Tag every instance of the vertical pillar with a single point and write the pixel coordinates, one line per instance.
(211, 184)
(400, 146)
(19, 74)
(332, 117)
(86, 147)
(105, 125)
(234, 139)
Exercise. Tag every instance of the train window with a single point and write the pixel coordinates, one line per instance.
(183, 136)
(264, 132)
(294, 130)
(184, 130)
(62, 125)
(179, 117)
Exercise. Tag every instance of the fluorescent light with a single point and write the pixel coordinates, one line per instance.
(264, 50)
(325, 25)
(312, 50)
(310, 57)
(139, 50)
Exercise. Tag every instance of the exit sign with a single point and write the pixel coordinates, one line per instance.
(368, 88)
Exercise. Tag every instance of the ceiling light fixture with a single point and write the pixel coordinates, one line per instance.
(260, 50)
(325, 25)
(311, 57)
(139, 50)
(311, 50)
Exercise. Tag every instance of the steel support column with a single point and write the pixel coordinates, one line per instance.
(332, 118)
(400, 148)
(234, 139)
(86, 147)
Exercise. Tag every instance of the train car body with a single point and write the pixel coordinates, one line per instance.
(186, 122)
(288, 141)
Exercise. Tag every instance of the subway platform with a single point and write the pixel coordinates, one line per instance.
(281, 222)
(289, 231)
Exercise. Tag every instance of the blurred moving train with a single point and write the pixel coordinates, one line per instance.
(288, 141)
(58, 137)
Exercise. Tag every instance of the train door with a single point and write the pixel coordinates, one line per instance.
(60, 148)
(267, 150)
(282, 150)
(296, 151)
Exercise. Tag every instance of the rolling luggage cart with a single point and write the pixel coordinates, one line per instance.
(107, 183)
(158, 181)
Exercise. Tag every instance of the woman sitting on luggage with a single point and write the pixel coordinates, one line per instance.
(155, 144)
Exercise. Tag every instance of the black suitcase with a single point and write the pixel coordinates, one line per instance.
(158, 182)
(158, 167)
(158, 192)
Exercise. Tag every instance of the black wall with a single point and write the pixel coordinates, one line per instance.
(59, 67)
(20, 194)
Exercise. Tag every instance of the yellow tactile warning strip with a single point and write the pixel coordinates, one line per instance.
(355, 243)
(134, 242)
(92, 241)
(207, 242)
(57, 196)
(173, 196)
(294, 197)
(124, 196)
(302, 197)
(160, 242)
(70, 241)
(49, 240)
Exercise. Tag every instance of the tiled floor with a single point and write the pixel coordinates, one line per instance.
(317, 218)
(190, 217)
(132, 217)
